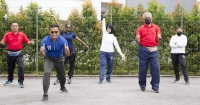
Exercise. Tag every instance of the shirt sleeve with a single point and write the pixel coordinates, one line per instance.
(74, 35)
(183, 43)
(25, 38)
(171, 43)
(117, 46)
(5, 38)
(104, 26)
(158, 30)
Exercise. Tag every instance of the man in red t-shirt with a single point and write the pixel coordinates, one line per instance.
(14, 41)
(148, 36)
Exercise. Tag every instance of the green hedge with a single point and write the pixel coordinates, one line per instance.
(126, 20)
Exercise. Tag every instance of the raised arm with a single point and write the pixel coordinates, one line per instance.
(77, 38)
(104, 23)
(57, 23)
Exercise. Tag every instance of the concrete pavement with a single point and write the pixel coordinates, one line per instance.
(86, 91)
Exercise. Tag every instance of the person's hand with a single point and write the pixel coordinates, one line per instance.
(42, 48)
(104, 15)
(2, 42)
(32, 42)
(123, 57)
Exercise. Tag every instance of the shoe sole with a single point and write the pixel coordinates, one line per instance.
(155, 91)
(8, 84)
(63, 91)
(21, 86)
(176, 81)
(45, 100)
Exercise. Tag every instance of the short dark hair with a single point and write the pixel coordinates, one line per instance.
(53, 25)
(13, 22)
(67, 25)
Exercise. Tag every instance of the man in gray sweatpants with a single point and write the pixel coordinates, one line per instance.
(52, 48)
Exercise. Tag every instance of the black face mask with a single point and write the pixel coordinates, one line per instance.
(179, 33)
(147, 21)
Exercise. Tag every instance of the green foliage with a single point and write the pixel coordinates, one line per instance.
(125, 19)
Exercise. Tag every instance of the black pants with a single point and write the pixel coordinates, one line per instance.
(49, 63)
(71, 60)
(179, 58)
(11, 60)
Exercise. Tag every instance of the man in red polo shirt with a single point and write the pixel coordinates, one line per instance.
(148, 36)
(14, 41)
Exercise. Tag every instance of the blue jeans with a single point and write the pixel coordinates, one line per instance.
(145, 56)
(106, 58)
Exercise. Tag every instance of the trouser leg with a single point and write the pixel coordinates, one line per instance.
(48, 65)
(182, 62)
(175, 65)
(11, 67)
(102, 65)
(143, 55)
(59, 66)
(155, 70)
(71, 64)
(110, 59)
(20, 63)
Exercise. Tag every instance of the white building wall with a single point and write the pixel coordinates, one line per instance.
(63, 7)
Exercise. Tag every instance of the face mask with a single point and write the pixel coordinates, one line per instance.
(147, 21)
(179, 33)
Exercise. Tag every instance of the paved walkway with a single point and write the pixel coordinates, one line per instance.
(86, 91)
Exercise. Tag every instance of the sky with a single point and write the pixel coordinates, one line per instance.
(62, 7)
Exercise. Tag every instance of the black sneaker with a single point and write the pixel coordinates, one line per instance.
(187, 82)
(45, 97)
(155, 90)
(63, 89)
(143, 88)
(176, 80)
(21, 85)
(56, 82)
(108, 80)
(8, 83)
(69, 81)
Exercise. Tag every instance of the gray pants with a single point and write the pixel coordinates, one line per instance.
(49, 63)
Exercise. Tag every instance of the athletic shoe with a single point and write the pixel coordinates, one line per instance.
(21, 85)
(100, 82)
(63, 89)
(155, 90)
(176, 80)
(108, 80)
(143, 88)
(56, 82)
(45, 97)
(187, 82)
(69, 81)
(8, 83)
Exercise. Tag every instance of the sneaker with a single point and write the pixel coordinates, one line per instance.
(176, 80)
(143, 88)
(69, 81)
(100, 82)
(8, 83)
(56, 82)
(108, 80)
(21, 85)
(45, 97)
(63, 89)
(187, 82)
(155, 90)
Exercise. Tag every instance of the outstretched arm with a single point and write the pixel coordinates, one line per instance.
(104, 23)
(77, 38)
(56, 22)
